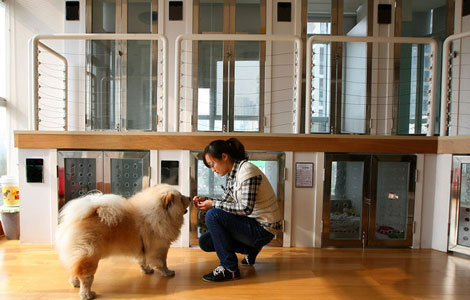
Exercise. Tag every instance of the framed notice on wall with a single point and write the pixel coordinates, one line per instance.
(304, 174)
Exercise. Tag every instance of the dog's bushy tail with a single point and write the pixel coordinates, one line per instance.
(109, 207)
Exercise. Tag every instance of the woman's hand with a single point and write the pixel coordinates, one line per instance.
(205, 205)
(198, 199)
(202, 203)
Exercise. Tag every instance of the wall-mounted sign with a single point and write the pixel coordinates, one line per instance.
(304, 174)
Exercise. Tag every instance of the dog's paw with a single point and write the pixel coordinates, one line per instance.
(88, 296)
(146, 269)
(75, 282)
(167, 273)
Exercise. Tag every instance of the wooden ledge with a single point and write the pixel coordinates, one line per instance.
(252, 141)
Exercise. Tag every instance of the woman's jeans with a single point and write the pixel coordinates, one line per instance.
(229, 234)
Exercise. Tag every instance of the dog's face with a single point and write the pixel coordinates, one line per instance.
(174, 202)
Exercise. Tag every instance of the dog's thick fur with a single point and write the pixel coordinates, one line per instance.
(97, 226)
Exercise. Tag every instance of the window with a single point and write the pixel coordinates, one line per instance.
(3, 109)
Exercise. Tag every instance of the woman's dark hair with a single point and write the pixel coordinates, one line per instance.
(233, 147)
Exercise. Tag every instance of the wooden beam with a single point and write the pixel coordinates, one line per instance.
(252, 141)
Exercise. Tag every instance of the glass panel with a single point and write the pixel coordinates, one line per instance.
(318, 17)
(419, 19)
(103, 67)
(247, 16)
(140, 90)
(346, 200)
(210, 86)
(355, 17)
(126, 176)
(104, 16)
(463, 237)
(354, 91)
(247, 86)
(103, 96)
(270, 169)
(319, 22)
(80, 177)
(211, 16)
(392, 200)
(139, 16)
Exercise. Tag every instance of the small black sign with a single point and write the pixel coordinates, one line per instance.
(72, 10)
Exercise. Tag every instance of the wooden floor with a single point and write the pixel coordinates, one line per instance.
(34, 272)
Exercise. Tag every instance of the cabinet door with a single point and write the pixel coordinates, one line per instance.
(126, 172)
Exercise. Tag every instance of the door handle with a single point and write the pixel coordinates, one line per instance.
(367, 201)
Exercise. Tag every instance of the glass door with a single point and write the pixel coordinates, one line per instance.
(230, 75)
(122, 75)
(341, 78)
(369, 200)
(204, 182)
(392, 205)
(345, 212)
(459, 238)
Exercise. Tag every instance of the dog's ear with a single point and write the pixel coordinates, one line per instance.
(167, 200)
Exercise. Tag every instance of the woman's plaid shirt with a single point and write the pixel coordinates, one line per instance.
(246, 204)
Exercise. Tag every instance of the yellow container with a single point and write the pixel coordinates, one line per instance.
(10, 191)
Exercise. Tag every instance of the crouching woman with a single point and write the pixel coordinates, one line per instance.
(245, 219)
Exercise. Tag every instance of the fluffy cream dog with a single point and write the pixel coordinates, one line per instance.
(101, 225)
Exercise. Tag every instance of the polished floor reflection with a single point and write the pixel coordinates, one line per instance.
(34, 272)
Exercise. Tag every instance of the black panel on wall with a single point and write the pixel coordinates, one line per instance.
(169, 172)
(34, 169)
(384, 14)
(72, 10)
(284, 11)
(175, 11)
(465, 8)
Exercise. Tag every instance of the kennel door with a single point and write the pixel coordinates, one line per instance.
(459, 235)
(79, 172)
(204, 182)
(126, 172)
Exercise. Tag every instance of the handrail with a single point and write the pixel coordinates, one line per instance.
(445, 79)
(36, 40)
(371, 39)
(236, 37)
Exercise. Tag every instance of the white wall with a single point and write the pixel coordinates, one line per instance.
(436, 201)
(27, 18)
(38, 201)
